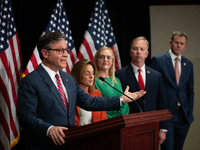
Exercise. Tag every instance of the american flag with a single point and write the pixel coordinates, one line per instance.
(99, 34)
(10, 75)
(58, 23)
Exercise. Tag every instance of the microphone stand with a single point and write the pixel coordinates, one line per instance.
(102, 79)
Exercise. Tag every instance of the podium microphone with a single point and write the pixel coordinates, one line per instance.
(102, 79)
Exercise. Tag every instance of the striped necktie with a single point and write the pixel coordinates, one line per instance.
(61, 91)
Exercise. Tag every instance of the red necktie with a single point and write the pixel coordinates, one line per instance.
(140, 80)
(176, 68)
(61, 91)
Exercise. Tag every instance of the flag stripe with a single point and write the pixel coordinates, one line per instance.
(80, 55)
(14, 64)
(10, 66)
(1, 146)
(72, 56)
(19, 51)
(34, 62)
(6, 65)
(4, 123)
(10, 70)
(8, 105)
(4, 140)
(88, 49)
(17, 54)
(67, 68)
(116, 63)
(58, 23)
(83, 50)
(99, 34)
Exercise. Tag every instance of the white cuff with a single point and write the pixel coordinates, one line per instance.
(47, 134)
(164, 130)
(121, 101)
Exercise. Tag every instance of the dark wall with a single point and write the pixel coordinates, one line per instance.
(129, 20)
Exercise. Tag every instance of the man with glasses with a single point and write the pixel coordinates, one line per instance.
(47, 97)
(138, 76)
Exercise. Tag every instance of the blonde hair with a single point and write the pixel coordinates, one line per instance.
(77, 72)
(111, 72)
(140, 38)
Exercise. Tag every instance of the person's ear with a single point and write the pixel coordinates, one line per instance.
(170, 42)
(44, 53)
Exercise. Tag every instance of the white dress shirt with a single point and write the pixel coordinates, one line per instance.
(85, 117)
(143, 72)
(53, 78)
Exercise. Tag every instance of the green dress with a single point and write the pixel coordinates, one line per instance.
(107, 91)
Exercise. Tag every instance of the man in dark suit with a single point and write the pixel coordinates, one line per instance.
(47, 97)
(154, 99)
(177, 74)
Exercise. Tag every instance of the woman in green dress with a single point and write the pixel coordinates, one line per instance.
(104, 63)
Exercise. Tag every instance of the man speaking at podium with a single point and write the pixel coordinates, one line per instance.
(47, 97)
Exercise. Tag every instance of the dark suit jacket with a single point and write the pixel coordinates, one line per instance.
(40, 105)
(185, 91)
(154, 99)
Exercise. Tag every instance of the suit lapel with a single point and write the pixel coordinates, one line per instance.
(183, 70)
(132, 77)
(51, 86)
(148, 78)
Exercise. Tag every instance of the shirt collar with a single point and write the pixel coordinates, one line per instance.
(135, 68)
(49, 71)
(173, 56)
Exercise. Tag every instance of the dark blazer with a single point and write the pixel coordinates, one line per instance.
(40, 105)
(154, 99)
(185, 91)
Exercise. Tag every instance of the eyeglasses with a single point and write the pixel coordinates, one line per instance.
(61, 51)
(103, 57)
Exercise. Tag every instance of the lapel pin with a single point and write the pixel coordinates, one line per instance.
(148, 72)
(184, 64)
(66, 79)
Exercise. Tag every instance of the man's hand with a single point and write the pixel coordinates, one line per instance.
(134, 95)
(57, 135)
(162, 137)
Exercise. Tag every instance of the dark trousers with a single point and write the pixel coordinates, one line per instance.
(178, 128)
(37, 143)
(42, 143)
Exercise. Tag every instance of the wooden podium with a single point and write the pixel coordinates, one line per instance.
(139, 131)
